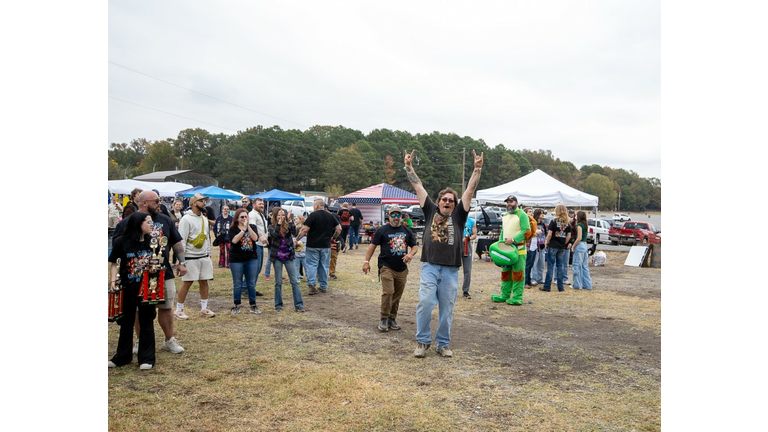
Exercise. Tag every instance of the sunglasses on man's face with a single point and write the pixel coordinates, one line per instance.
(448, 200)
(395, 215)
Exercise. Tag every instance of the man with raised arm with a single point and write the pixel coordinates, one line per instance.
(441, 256)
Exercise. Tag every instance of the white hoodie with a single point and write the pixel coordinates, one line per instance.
(190, 226)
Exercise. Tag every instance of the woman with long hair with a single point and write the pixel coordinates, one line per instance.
(300, 257)
(177, 212)
(132, 251)
(221, 233)
(243, 260)
(558, 235)
(581, 276)
(282, 252)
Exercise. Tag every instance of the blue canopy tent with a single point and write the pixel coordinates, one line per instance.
(211, 192)
(215, 193)
(277, 195)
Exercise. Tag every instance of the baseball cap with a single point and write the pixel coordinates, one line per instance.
(196, 198)
(394, 209)
(511, 198)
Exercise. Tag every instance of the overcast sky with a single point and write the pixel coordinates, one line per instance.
(579, 78)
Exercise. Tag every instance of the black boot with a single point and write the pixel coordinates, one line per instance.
(384, 325)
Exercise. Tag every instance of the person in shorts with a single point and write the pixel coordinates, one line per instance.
(195, 232)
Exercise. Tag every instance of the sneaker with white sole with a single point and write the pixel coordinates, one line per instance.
(445, 352)
(172, 345)
(145, 366)
(255, 310)
(111, 364)
(207, 312)
(180, 315)
(136, 348)
(235, 310)
(421, 350)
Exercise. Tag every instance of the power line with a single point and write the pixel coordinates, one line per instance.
(169, 113)
(203, 94)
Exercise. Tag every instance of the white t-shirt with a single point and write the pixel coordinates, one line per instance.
(258, 219)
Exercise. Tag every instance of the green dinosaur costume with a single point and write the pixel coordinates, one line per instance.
(516, 224)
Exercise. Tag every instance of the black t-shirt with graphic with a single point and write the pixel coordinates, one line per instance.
(442, 235)
(162, 226)
(393, 245)
(559, 233)
(243, 250)
(134, 256)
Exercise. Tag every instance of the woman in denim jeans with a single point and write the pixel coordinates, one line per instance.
(243, 260)
(282, 252)
(581, 276)
(300, 261)
(556, 244)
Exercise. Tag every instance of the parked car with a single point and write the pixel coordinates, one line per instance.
(635, 233)
(486, 220)
(621, 217)
(416, 214)
(598, 228)
(298, 207)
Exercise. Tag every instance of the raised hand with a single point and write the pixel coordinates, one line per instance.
(478, 159)
(408, 158)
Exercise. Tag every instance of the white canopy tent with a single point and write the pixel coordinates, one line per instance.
(538, 189)
(166, 189)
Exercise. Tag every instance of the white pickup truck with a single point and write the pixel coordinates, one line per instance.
(598, 228)
(299, 208)
(621, 217)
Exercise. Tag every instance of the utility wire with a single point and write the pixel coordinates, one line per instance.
(203, 94)
(175, 115)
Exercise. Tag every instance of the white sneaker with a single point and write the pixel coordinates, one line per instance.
(207, 312)
(110, 364)
(173, 346)
(145, 366)
(534, 283)
(136, 348)
(180, 315)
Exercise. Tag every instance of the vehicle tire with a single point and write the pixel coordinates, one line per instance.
(614, 243)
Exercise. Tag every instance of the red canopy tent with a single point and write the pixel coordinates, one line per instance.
(370, 200)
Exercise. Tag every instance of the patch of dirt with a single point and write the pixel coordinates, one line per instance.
(531, 342)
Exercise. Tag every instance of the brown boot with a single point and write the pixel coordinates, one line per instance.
(313, 290)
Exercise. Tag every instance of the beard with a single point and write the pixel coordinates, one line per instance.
(512, 208)
(395, 223)
(153, 210)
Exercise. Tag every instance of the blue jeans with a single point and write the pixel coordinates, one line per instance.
(439, 286)
(294, 278)
(581, 277)
(557, 262)
(268, 270)
(529, 265)
(354, 235)
(318, 263)
(300, 263)
(539, 266)
(244, 276)
(259, 262)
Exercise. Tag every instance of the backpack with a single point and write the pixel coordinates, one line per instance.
(532, 231)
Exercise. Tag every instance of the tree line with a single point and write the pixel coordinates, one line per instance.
(340, 160)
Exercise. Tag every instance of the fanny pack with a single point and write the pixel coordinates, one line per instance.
(199, 241)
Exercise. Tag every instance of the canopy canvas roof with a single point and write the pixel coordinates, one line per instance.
(538, 188)
(277, 195)
(212, 192)
(190, 177)
(382, 193)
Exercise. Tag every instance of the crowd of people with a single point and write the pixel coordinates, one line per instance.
(308, 247)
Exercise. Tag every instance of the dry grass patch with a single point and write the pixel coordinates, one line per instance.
(544, 366)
